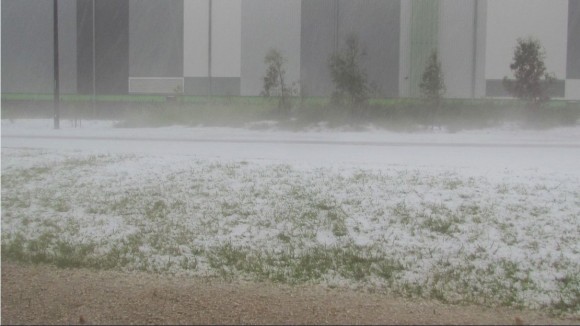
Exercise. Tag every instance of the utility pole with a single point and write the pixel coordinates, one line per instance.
(209, 49)
(56, 75)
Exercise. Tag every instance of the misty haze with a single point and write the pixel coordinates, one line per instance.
(287, 161)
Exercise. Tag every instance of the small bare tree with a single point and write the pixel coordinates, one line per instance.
(350, 80)
(433, 84)
(274, 80)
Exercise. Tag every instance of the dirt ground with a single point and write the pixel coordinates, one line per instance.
(47, 295)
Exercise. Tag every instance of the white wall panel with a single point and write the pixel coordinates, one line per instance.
(227, 38)
(195, 38)
(511, 19)
(457, 47)
(404, 49)
(269, 24)
(573, 89)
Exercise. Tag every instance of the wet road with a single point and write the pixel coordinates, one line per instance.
(483, 156)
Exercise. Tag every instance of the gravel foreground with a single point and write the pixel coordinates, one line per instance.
(40, 294)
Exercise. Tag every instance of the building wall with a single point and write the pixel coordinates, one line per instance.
(111, 53)
(405, 49)
(156, 38)
(326, 24)
(460, 53)
(456, 29)
(509, 20)
(457, 50)
(67, 46)
(424, 39)
(86, 57)
(27, 46)
(481, 59)
(377, 24)
(573, 55)
(573, 51)
(269, 24)
(155, 46)
(225, 48)
(317, 42)
(112, 37)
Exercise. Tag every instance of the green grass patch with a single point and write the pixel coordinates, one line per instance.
(420, 233)
(295, 266)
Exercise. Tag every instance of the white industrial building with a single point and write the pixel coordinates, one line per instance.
(160, 46)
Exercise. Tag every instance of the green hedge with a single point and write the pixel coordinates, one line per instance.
(392, 113)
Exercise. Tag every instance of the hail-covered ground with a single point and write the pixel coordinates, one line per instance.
(485, 216)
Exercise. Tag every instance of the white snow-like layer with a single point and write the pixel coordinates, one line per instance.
(485, 151)
(475, 213)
